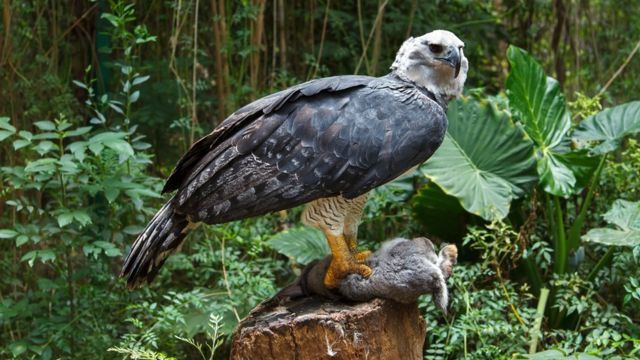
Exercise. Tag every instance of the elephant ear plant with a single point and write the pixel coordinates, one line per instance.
(569, 161)
(499, 150)
(485, 161)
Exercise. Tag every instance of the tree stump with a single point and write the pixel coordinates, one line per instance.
(316, 328)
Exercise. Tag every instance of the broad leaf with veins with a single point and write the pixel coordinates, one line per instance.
(485, 161)
(542, 110)
(625, 215)
(610, 126)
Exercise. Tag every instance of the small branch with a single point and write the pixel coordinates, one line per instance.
(324, 31)
(194, 112)
(576, 228)
(68, 30)
(24, 78)
(361, 31)
(373, 28)
(173, 42)
(219, 56)
(226, 280)
(542, 304)
(282, 34)
(377, 39)
(412, 15)
(257, 33)
(619, 71)
(603, 260)
(6, 22)
(508, 297)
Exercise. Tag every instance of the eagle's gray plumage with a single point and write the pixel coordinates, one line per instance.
(336, 136)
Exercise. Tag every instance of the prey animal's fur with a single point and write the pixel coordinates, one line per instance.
(402, 271)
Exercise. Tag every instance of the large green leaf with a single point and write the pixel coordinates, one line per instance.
(581, 164)
(485, 161)
(610, 126)
(559, 355)
(440, 215)
(541, 107)
(302, 244)
(626, 216)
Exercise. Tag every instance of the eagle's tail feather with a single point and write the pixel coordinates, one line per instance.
(163, 236)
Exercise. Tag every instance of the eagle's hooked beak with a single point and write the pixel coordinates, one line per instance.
(453, 59)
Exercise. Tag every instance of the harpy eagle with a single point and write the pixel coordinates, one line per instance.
(324, 143)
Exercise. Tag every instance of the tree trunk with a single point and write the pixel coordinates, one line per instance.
(221, 63)
(257, 30)
(559, 8)
(377, 38)
(314, 328)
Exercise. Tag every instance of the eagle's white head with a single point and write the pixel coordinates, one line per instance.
(434, 61)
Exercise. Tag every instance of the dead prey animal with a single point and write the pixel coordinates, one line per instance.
(402, 271)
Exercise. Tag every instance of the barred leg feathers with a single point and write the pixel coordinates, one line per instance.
(162, 237)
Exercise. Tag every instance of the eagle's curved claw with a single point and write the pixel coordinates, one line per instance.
(361, 257)
(338, 270)
(344, 261)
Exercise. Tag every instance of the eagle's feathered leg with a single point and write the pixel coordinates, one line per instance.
(352, 220)
(332, 215)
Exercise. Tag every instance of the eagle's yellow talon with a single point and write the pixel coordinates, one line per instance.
(338, 270)
(364, 271)
(352, 242)
(345, 260)
(362, 256)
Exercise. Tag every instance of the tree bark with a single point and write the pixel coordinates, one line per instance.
(282, 35)
(315, 328)
(221, 59)
(559, 8)
(377, 39)
(257, 31)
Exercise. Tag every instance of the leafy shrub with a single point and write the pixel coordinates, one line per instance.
(536, 177)
(76, 195)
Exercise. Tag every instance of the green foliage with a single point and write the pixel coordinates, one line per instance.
(385, 214)
(541, 108)
(78, 182)
(584, 106)
(439, 214)
(302, 245)
(213, 334)
(559, 355)
(480, 323)
(497, 243)
(75, 197)
(610, 126)
(619, 178)
(484, 161)
(214, 338)
(578, 319)
(626, 216)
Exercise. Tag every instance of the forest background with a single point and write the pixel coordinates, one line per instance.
(98, 99)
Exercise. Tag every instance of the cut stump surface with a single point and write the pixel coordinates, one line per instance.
(315, 328)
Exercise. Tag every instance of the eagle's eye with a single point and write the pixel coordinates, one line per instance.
(435, 48)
